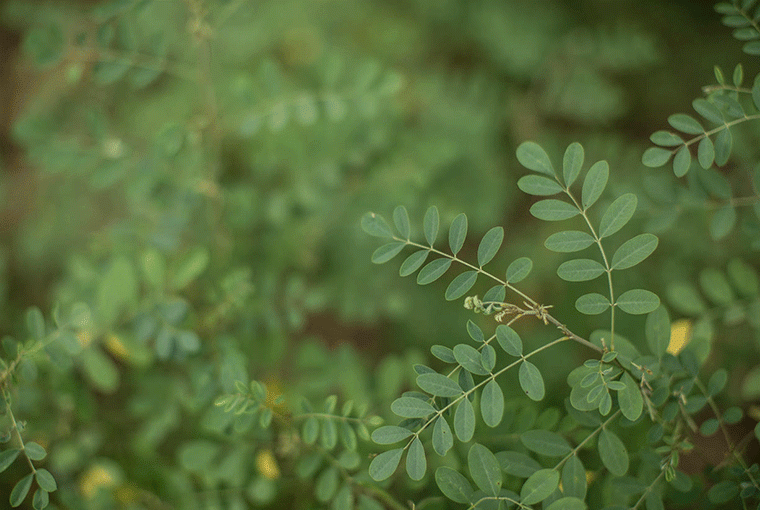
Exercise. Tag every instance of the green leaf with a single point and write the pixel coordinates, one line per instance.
(385, 464)
(45, 44)
(533, 157)
(752, 47)
(630, 400)
(553, 210)
(682, 161)
(684, 297)
(329, 436)
(517, 464)
(706, 152)
(592, 304)
(100, 369)
(497, 293)
(717, 382)
(708, 110)
(492, 403)
(715, 286)
(634, 251)
(387, 251)
(509, 340)
(743, 277)
(453, 485)
(111, 71)
(580, 270)
(458, 233)
(401, 220)
(568, 503)
(574, 478)
(723, 492)
(545, 442)
(617, 215)
(723, 144)
(416, 463)
(438, 385)
(569, 241)
(40, 500)
(411, 407)
(327, 483)
(375, 225)
(738, 75)
(657, 331)
(433, 270)
(539, 486)
(430, 224)
(594, 183)
(191, 268)
(443, 353)
(638, 301)
(613, 453)
(460, 285)
(519, 270)
(344, 499)
(310, 430)
(751, 384)
(389, 434)
(7, 457)
(34, 451)
(572, 163)
(685, 124)
(45, 480)
(475, 332)
(413, 262)
(464, 420)
(722, 222)
(531, 381)
(116, 290)
(470, 359)
(484, 469)
(490, 245)
(35, 323)
(20, 490)
(709, 427)
(655, 157)
(539, 185)
(443, 439)
(756, 88)
(666, 139)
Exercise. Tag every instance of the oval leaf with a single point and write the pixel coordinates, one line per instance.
(401, 219)
(20, 490)
(458, 233)
(509, 340)
(517, 464)
(519, 270)
(568, 503)
(484, 469)
(433, 270)
(617, 214)
(430, 224)
(385, 464)
(539, 486)
(592, 304)
(531, 381)
(533, 157)
(464, 420)
(460, 285)
(580, 270)
(443, 439)
(375, 225)
(655, 157)
(413, 262)
(706, 152)
(630, 400)
(553, 210)
(572, 163)
(545, 442)
(492, 403)
(410, 407)
(416, 463)
(453, 485)
(390, 434)
(682, 161)
(489, 245)
(613, 453)
(387, 251)
(569, 241)
(539, 185)
(634, 251)
(594, 183)
(470, 359)
(638, 301)
(685, 124)
(438, 385)
(574, 478)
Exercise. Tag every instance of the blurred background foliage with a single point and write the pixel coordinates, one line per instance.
(182, 182)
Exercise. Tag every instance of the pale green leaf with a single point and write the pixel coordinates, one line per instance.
(375, 225)
(464, 420)
(492, 403)
(416, 463)
(715, 286)
(638, 301)
(443, 439)
(708, 110)
(666, 139)
(327, 483)
(389, 434)
(413, 262)
(460, 285)
(443, 353)
(438, 385)
(410, 407)
(617, 214)
(682, 161)
(539, 486)
(453, 485)
(484, 469)
(531, 381)
(723, 145)
(519, 270)
(385, 464)
(634, 251)
(569, 241)
(580, 270)
(387, 251)
(430, 224)
(401, 220)
(706, 152)
(34, 451)
(533, 157)
(45, 480)
(470, 359)
(592, 304)
(655, 157)
(509, 340)
(545, 442)
(685, 298)
(722, 221)
(685, 124)
(458, 233)
(490, 245)
(20, 490)
(433, 270)
(310, 430)
(594, 183)
(572, 163)
(630, 400)
(539, 185)
(613, 453)
(7, 457)
(553, 210)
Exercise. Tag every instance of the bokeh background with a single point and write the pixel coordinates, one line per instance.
(182, 183)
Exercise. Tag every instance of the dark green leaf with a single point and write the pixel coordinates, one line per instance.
(539, 185)
(592, 304)
(460, 285)
(7, 457)
(443, 439)
(634, 251)
(531, 381)
(553, 210)
(20, 490)
(509, 340)
(723, 492)
(545, 442)
(433, 270)
(574, 478)
(470, 359)
(594, 183)
(723, 144)
(638, 301)
(416, 463)
(492, 403)
(385, 464)
(519, 270)
(709, 427)
(655, 157)
(722, 221)
(401, 219)
(489, 245)
(375, 225)
(443, 353)
(569, 241)
(572, 163)
(685, 124)
(568, 503)
(717, 382)
(438, 385)
(387, 251)
(630, 400)
(464, 420)
(539, 486)
(580, 270)
(517, 464)
(430, 224)
(413, 262)
(389, 434)
(410, 407)
(458, 233)
(484, 469)
(613, 453)
(533, 157)
(617, 214)
(453, 485)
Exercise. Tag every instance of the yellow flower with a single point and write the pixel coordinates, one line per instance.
(266, 463)
(680, 335)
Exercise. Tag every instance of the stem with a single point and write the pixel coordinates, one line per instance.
(588, 438)
(7, 399)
